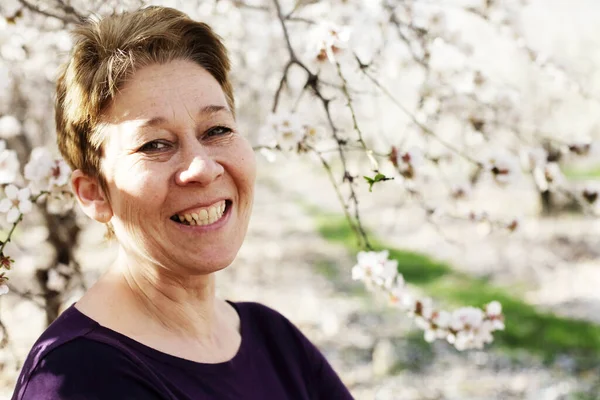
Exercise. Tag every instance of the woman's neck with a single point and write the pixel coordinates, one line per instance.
(161, 299)
(174, 314)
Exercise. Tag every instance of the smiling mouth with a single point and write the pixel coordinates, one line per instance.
(203, 216)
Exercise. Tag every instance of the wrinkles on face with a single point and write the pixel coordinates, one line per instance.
(168, 120)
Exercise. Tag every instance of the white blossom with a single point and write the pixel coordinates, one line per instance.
(375, 267)
(408, 302)
(46, 173)
(268, 154)
(465, 328)
(56, 281)
(466, 317)
(426, 306)
(9, 126)
(40, 164)
(3, 289)
(314, 134)
(9, 164)
(460, 190)
(283, 130)
(548, 177)
(493, 309)
(17, 202)
(327, 39)
(533, 157)
(504, 167)
(409, 162)
(396, 290)
(582, 147)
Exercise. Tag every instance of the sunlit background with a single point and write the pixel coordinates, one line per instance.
(498, 80)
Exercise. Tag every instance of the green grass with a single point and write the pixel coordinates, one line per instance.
(527, 328)
(581, 174)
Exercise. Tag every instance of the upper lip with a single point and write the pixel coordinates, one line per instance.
(199, 205)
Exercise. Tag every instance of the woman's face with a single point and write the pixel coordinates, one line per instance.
(172, 152)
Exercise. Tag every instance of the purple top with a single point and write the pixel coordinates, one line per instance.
(77, 358)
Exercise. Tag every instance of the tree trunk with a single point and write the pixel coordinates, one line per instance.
(63, 232)
(548, 207)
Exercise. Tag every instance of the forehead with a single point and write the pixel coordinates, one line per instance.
(166, 91)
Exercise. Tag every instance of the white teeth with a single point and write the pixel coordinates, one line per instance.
(212, 213)
(204, 216)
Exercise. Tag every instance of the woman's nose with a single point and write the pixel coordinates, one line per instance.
(199, 168)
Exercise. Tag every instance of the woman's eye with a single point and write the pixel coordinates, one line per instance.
(153, 146)
(218, 131)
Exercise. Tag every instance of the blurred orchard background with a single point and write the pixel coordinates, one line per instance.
(459, 135)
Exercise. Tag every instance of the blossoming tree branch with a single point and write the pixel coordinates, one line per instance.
(384, 95)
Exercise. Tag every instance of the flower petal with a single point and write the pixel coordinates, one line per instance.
(24, 194)
(11, 192)
(25, 206)
(13, 215)
(5, 205)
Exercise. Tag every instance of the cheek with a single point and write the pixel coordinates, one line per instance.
(138, 193)
(246, 167)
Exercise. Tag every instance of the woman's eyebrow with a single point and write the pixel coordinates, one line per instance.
(204, 111)
(212, 109)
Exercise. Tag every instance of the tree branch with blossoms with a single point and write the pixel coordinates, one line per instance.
(46, 178)
(465, 328)
(285, 132)
(313, 83)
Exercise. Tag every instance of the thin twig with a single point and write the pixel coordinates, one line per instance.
(242, 4)
(68, 9)
(285, 31)
(417, 123)
(4, 340)
(423, 61)
(35, 9)
(312, 83)
(337, 192)
(369, 153)
(297, 6)
(281, 83)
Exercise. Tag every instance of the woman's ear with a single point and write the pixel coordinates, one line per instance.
(91, 197)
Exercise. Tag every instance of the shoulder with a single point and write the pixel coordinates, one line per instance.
(292, 348)
(76, 357)
(263, 317)
(84, 369)
(67, 327)
(275, 330)
(258, 310)
(80, 352)
(65, 363)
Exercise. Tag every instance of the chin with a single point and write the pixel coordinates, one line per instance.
(208, 266)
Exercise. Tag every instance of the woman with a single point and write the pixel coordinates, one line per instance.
(145, 117)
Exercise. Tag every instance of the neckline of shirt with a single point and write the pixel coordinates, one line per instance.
(177, 361)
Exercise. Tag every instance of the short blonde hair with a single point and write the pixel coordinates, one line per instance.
(105, 55)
